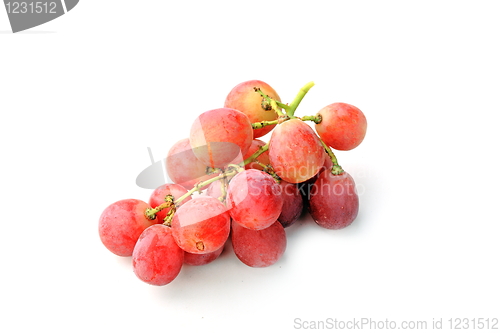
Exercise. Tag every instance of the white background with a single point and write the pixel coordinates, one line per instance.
(83, 96)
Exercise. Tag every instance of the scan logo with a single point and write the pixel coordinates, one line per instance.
(26, 14)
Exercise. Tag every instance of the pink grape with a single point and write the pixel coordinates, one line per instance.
(254, 199)
(194, 259)
(334, 202)
(343, 126)
(159, 194)
(183, 167)
(201, 225)
(292, 204)
(121, 224)
(218, 136)
(258, 248)
(157, 259)
(244, 98)
(295, 151)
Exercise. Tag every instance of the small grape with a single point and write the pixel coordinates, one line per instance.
(334, 202)
(121, 224)
(258, 248)
(295, 152)
(159, 194)
(254, 199)
(244, 98)
(201, 225)
(343, 126)
(157, 259)
(218, 136)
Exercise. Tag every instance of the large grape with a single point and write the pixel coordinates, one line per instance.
(201, 225)
(334, 202)
(183, 167)
(218, 136)
(121, 224)
(244, 98)
(295, 151)
(159, 194)
(157, 259)
(258, 248)
(343, 126)
(254, 199)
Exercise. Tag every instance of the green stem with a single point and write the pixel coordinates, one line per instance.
(151, 212)
(264, 123)
(317, 119)
(230, 172)
(271, 102)
(336, 169)
(223, 189)
(295, 103)
(268, 169)
(254, 156)
(170, 216)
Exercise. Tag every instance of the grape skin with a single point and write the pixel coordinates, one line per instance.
(254, 199)
(159, 194)
(334, 202)
(244, 98)
(193, 259)
(218, 136)
(201, 225)
(343, 126)
(258, 248)
(292, 204)
(183, 167)
(157, 259)
(295, 152)
(121, 224)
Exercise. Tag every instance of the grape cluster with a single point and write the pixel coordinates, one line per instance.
(230, 184)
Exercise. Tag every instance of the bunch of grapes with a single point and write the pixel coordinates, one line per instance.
(230, 184)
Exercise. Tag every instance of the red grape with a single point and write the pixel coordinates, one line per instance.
(244, 98)
(343, 126)
(254, 199)
(157, 259)
(159, 194)
(295, 151)
(334, 202)
(195, 259)
(201, 225)
(121, 224)
(219, 136)
(183, 167)
(292, 204)
(258, 248)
